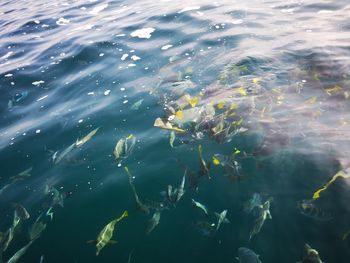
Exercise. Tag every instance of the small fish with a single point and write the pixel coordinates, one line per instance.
(165, 124)
(311, 255)
(139, 204)
(136, 105)
(24, 174)
(199, 205)
(343, 174)
(153, 222)
(37, 229)
(41, 259)
(221, 219)
(181, 191)
(246, 255)
(20, 253)
(21, 212)
(203, 167)
(57, 197)
(87, 137)
(172, 139)
(309, 209)
(264, 213)
(64, 153)
(104, 237)
(124, 147)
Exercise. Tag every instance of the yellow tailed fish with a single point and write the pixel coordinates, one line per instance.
(87, 137)
(311, 100)
(192, 101)
(343, 173)
(104, 237)
(255, 80)
(336, 88)
(242, 91)
(180, 114)
(220, 105)
(216, 161)
(164, 124)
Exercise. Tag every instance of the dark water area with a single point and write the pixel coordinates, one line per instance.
(262, 87)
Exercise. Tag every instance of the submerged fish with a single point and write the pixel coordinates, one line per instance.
(165, 124)
(199, 205)
(221, 219)
(180, 191)
(264, 213)
(86, 138)
(139, 204)
(21, 212)
(124, 147)
(137, 104)
(172, 139)
(65, 152)
(311, 255)
(20, 253)
(246, 255)
(254, 202)
(309, 209)
(343, 173)
(104, 237)
(153, 222)
(37, 229)
(203, 166)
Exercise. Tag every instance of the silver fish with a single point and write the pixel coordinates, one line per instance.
(254, 202)
(137, 104)
(181, 191)
(221, 219)
(65, 152)
(199, 205)
(264, 213)
(124, 147)
(311, 255)
(20, 253)
(153, 222)
(172, 138)
(37, 229)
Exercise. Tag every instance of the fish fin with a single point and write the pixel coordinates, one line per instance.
(226, 221)
(91, 242)
(237, 258)
(112, 242)
(217, 214)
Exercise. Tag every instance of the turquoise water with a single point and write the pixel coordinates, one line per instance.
(276, 71)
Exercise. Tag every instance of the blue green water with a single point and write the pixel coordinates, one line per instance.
(69, 67)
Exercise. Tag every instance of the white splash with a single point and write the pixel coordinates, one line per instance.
(42, 98)
(62, 21)
(166, 47)
(189, 8)
(143, 33)
(124, 57)
(38, 82)
(106, 93)
(98, 9)
(135, 58)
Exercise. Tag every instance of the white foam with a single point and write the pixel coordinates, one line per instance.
(166, 47)
(62, 21)
(98, 9)
(189, 8)
(143, 33)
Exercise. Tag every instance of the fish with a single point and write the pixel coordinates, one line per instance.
(20, 253)
(246, 255)
(21, 212)
(6, 239)
(87, 137)
(264, 213)
(172, 139)
(165, 124)
(41, 259)
(124, 147)
(311, 255)
(57, 197)
(137, 104)
(254, 202)
(140, 205)
(309, 209)
(199, 205)
(64, 153)
(203, 167)
(153, 222)
(37, 228)
(180, 191)
(343, 173)
(221, 219)
(20, 176)
(104, 237)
